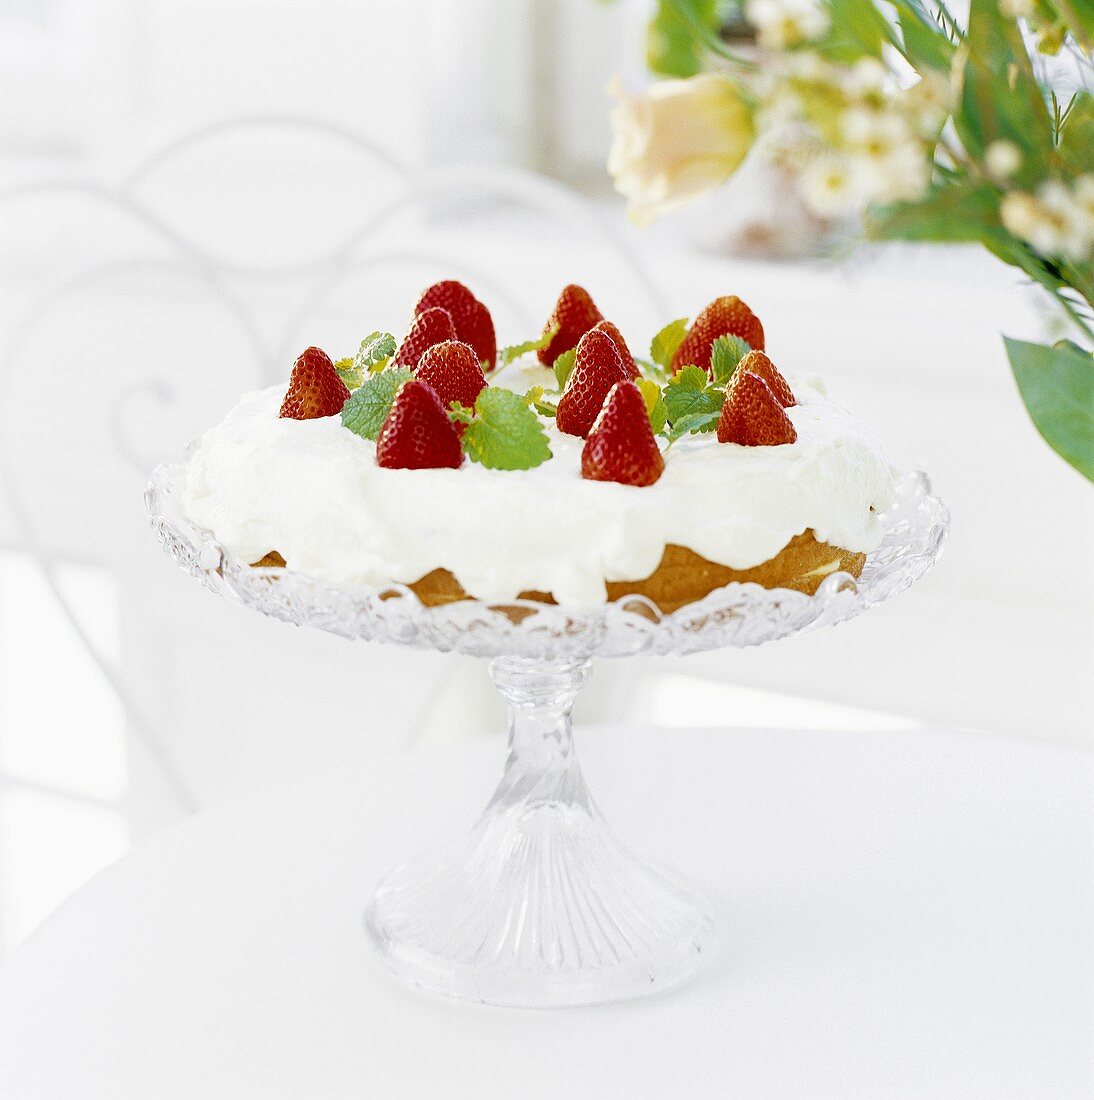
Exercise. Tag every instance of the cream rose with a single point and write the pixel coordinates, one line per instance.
(677, 141)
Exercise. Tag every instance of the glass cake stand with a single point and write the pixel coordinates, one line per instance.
(540, 904)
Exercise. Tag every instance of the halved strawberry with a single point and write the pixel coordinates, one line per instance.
(758, 363)
(752, 414)
(621, 446)
(453, 370)
(417, 434)
(629, 364)
(575, 313)
(431, 326)
(597, 367)
(727, 316)
(472, 319)
(314, 388)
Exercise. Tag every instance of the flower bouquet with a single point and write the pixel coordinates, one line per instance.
(895, 112)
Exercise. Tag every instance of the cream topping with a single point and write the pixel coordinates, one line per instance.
(311, 490)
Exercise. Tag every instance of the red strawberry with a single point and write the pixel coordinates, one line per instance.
(453, 370)
(755, 362)
(752, 414)
(575, 313)
(314, 388)
(431, 326)
(417, 434)
(597, 368)
(621, 446)
(723, 317)
(629, 364)
(472, 319)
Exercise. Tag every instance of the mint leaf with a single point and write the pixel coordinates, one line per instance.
(366, 410)
(663, 346)
(505, 434)
(689, 392)
(460, 414)
(695, 423)
(515, 351)
(725, 353)
(655, 403)
(349, 373)
(564, 366)
(534, 398)
(375, 350)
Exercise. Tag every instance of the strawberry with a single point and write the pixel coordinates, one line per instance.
(431, 326)
(723, 317)
(417, 434)
(752, 414)
(575, 313)
(621, 446)
(472, 319)
(758, 363)
(314, 388)
(453, 370)
(629, 364)
(597, 367)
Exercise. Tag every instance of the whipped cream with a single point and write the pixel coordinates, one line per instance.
(311, 490)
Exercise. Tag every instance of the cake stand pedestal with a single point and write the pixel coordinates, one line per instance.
(541, 905)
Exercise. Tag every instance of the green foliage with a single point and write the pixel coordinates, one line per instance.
(505, 433)
(515, 351)
(689, 393)
(1057, 386)
(858, 29)
(1076, 135)
(725, 353)
(655, 403)
(962, 210)
(563, 367)
(366, 410)
(926, 43)
(1001, 99)
(348, 372)
(375, 350)
(674, 45)
(663, 346)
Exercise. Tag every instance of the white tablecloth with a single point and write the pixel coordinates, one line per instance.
(904, 915)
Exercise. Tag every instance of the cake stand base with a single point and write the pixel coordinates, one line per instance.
(540, 905)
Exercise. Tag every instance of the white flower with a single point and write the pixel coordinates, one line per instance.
(873, 133)
(1050, 221)
(1016, 9)
(679, 140)
(928, 102)
(1002, 159)
(783, 23)
(867, 78)
(828, 186)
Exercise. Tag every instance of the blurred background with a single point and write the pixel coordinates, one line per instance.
(191, 193)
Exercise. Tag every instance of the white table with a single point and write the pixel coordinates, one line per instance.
(904, 915)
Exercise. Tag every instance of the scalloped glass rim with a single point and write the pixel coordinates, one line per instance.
(736, 615)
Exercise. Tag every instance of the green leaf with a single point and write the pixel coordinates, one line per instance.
(689, 392)
(725, 353)
(926, 44)
(1076, 148)
(1001, 99)
(655, 403)
(1057, 386)
(673, 43)
(563, 366)
(349, 373)
(663, 346)
(375, 350)
(857, 30)
(366, 410)
(534, 399)
(515, 351)
(695, 423)
(966, 210)
(505, 434)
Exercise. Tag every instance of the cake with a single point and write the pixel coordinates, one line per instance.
(562, 470)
